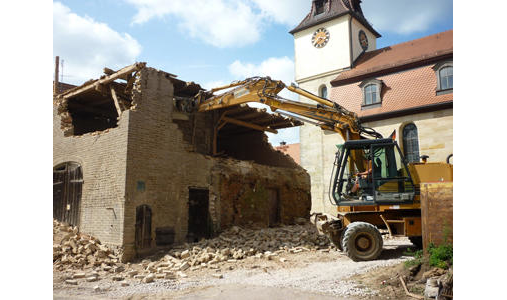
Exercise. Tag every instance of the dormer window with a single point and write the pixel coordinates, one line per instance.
(443, 71)
(371, 93)
(319, 7)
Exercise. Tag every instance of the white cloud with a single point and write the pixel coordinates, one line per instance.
(405, 16)
(87, 46)
(278, 68)
(289, 12)
(221, 23)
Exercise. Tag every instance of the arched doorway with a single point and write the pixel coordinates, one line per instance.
(67, 187)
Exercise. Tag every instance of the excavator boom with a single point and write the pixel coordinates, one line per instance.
(328, 115)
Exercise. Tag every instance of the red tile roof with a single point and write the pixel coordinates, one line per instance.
(293, 150)
(409, 82)
(399, 57)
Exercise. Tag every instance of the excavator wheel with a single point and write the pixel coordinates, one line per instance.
(362, 241)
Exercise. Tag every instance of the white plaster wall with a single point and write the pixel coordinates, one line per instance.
(311, 61)
(356, 46)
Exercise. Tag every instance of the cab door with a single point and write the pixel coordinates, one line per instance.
(390, 176)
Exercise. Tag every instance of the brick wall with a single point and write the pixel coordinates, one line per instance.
(152, 159)
(103, 158)
(158, 156)
(244, 193)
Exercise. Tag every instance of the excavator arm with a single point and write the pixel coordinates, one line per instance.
(326, 114)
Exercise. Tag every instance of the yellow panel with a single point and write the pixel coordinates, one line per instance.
(430, 172)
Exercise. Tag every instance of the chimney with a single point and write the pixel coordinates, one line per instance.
(55, 82)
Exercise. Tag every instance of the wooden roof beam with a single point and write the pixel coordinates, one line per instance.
(104, 81)
(249, 125)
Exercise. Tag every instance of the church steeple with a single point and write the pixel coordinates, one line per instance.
(326, 10)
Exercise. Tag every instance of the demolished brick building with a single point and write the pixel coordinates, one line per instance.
(138, 172)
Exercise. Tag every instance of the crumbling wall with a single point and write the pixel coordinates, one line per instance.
(244, 193)
(156, 154)
(254, 146)
(160, 166)
(102, 157)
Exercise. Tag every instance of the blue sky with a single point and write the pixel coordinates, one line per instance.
(213, 42)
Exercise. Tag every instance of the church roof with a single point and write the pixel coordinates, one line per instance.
(332, 10)
(398, 57)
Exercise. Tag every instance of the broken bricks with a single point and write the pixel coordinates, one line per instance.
(231, 247)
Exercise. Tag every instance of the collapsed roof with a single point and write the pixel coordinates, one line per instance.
(97, 105)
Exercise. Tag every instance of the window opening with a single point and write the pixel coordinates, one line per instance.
(319, 7)
(446, 78)
(411, 143)
(370, 94)
(323, 92)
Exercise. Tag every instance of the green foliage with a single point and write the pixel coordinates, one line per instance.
(418, 257)
(440, 256)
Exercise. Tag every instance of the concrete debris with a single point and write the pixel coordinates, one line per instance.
(91, 278)
(70, 281)
(219, 276)
(149, 278)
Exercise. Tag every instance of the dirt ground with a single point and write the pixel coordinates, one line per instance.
(316, 274)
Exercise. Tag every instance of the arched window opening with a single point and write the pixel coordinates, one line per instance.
(411, 143)
(323, 92)
(445, 78)
(443, 72)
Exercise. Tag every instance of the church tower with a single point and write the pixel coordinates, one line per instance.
(330, 38)
(328, 41)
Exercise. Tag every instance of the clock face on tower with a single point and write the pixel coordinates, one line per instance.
(363, 40)
(320, 37)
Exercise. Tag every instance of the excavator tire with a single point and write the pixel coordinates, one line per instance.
(362, 241)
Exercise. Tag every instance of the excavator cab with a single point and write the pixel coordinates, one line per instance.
(387, 179)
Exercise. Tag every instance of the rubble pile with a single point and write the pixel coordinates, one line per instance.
(80, 251)
(72, 249)
(238, 243)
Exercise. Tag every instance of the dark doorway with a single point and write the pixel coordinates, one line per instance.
(67, 187)
(143, 227)
(198, 215)
(274, 207)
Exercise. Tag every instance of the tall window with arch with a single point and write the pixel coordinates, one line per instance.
(411, 143)
(323, 92)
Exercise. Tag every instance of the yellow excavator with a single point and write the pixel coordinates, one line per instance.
(372, 184)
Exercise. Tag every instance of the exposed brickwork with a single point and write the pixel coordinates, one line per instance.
(244, 190)
(103, 158)
(152, 159)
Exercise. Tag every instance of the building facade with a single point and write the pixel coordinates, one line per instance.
(406, 88)
(137, 172)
